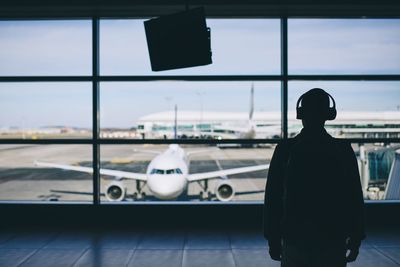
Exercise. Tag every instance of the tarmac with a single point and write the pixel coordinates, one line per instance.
(21, 180)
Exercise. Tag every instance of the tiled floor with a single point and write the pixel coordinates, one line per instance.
(165, 248)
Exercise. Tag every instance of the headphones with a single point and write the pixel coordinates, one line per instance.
(328, 114)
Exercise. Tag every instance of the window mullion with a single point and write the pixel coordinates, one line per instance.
(95, 110)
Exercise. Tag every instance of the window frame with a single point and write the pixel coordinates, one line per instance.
(95, 78)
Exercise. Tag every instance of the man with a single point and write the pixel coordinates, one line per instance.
(313, 210)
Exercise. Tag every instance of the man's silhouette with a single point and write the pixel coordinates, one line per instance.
(313, 198)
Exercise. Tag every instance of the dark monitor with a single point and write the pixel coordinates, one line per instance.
(179, 40)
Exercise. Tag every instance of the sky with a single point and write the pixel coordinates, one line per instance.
(239, 46)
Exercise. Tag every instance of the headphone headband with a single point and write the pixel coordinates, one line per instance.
(330, 112)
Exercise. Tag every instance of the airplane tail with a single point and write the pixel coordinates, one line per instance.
(251, 112)
(176, 123)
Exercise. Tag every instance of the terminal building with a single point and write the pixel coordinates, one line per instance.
(116, 151)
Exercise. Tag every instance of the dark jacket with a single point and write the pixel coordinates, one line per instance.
(313, 191)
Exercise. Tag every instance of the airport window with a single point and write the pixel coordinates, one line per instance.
(75, 128)
(48, 47)
(46, 173)
(191, 106)
(365, 109)
(206, 161)
(239, 46)
(52, 110)
(344, 46)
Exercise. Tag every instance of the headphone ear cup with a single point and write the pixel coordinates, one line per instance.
(331, 114)
(299, 113)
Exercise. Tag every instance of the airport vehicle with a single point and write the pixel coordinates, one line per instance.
(167, 176)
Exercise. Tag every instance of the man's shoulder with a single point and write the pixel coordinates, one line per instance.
(342, 147)
(341, 142)
(285, 144)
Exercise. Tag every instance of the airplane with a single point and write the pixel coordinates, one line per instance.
(167, 176)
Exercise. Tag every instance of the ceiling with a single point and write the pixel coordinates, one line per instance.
(219, 8)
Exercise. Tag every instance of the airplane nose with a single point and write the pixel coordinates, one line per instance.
(166, 187)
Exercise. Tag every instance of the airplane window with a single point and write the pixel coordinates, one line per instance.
(170, 171)
(160, 171)
(178, 171)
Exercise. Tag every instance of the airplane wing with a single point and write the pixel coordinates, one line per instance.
(190, 153)
(154, 152)
(119, 174)
(215, 174)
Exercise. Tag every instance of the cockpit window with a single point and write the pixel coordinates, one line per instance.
(157, 171)
(170, 171)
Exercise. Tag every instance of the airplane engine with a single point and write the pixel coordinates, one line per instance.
(116, 191)
(225, 190)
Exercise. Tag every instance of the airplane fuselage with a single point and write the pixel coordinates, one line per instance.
(167, 173)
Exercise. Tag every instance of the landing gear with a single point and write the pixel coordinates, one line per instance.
(139, 195)
(205, 194)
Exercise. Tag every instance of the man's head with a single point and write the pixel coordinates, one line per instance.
(313, 108)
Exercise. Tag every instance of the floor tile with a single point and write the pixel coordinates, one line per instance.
(156, 258)
(29, 240)
(53, 257)
(209, 258)
(250, 240)
(71, 240)
(391, 252)
(104, 258)
(118, 240)
(384, 238)
(370, 257)
(253, 258)
(162, 240)
(11, 257)
(5, 237)
(207, 240)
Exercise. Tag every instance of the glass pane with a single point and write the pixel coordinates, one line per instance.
(45, 110)
(344, 46)
(45, 47)
(377, 165)
(364, 109)
(151, 163)
(37, 173)
(239, 46)
(207, 110)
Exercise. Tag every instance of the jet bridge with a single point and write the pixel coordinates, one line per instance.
(393, 186)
